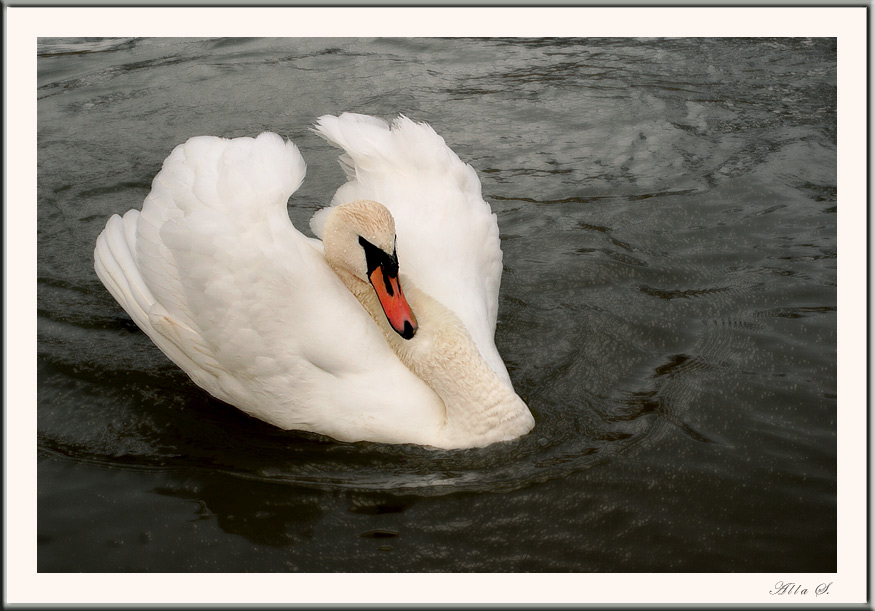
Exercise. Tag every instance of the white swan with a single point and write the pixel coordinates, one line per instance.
(366, 335)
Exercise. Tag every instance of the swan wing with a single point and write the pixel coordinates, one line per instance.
(447, 235)
(214, 272)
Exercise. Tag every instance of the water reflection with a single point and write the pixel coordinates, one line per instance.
(262, 512)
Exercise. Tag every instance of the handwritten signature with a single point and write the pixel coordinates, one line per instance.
(789, 588)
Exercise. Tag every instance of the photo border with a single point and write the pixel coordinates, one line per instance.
(24, 24)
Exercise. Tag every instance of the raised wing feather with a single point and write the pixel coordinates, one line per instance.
(218, 188)
(447, 235)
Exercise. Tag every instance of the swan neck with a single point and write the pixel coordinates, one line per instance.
(481, 408)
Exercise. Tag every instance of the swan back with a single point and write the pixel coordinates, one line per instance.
(214, 272)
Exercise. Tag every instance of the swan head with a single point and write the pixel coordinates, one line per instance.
(359, 244)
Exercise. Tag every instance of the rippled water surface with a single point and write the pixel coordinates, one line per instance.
(668, 311)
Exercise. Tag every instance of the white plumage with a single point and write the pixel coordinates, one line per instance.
(214, 272)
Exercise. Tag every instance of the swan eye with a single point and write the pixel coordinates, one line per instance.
(377, 257)
(383, 275)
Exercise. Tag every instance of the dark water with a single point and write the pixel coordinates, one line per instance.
(668, 311)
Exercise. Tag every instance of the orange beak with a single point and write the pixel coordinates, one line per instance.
(392, 300)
